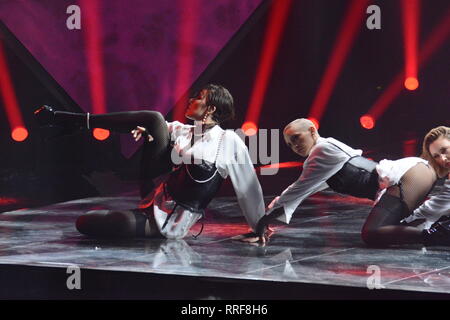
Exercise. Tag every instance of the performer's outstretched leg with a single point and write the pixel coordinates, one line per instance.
(155, 159)
(383, 226)
(117, 224)
(155, 154)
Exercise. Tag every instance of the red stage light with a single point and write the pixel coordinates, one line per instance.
(100, 134)
(411, 83)
(274, 31)
(94, 52)
(435, 40)
(187, 30)
(409, 148)
(8, 96)
(249, 128)
(410, 34)
(8, 201)
(315, 121)
(367, 122)
(347, 34)
(19, 134)
(282, 165)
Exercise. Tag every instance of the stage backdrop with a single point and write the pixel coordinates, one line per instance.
(149, 52)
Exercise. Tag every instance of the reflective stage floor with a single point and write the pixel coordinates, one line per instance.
(318, 255)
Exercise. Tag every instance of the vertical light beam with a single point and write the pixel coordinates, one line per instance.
(342, 45)
(274, 30)
(410, 14)
(94, 53)
(18, 131)
(190, 10)
(435, 40)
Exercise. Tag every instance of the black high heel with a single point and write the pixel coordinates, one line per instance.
(45, 115)
(61, 123)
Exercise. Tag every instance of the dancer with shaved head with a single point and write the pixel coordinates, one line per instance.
(398, 187)
(329, 163)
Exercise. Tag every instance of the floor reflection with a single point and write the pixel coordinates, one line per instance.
(322, 244)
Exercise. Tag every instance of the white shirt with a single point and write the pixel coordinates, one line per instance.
(326, 158)
(232, 159)
(434, 208)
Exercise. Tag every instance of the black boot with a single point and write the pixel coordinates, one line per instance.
(438, 234)
(47, 116)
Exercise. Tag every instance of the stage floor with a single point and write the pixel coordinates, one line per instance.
(321, 245)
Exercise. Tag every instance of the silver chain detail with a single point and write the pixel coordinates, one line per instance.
(215, 161)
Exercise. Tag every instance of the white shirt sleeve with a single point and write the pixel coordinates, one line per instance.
(324, 161)
(435, 207)
(177, 129)
(236, 162)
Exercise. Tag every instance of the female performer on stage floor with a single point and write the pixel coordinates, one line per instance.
(401, 215)
(200, 156)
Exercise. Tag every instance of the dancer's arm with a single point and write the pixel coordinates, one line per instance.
(236, 160)
(175, 128)
(178, 129)
(322, 164)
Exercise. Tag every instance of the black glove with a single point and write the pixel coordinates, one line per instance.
(145, 134)
(262, 225)
(45, 115)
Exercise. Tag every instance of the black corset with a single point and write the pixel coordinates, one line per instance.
(357, 178)
(193, 186)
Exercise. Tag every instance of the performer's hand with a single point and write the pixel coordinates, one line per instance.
(273, 202)
(262, 233)
(139, 132)
(255, 238)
